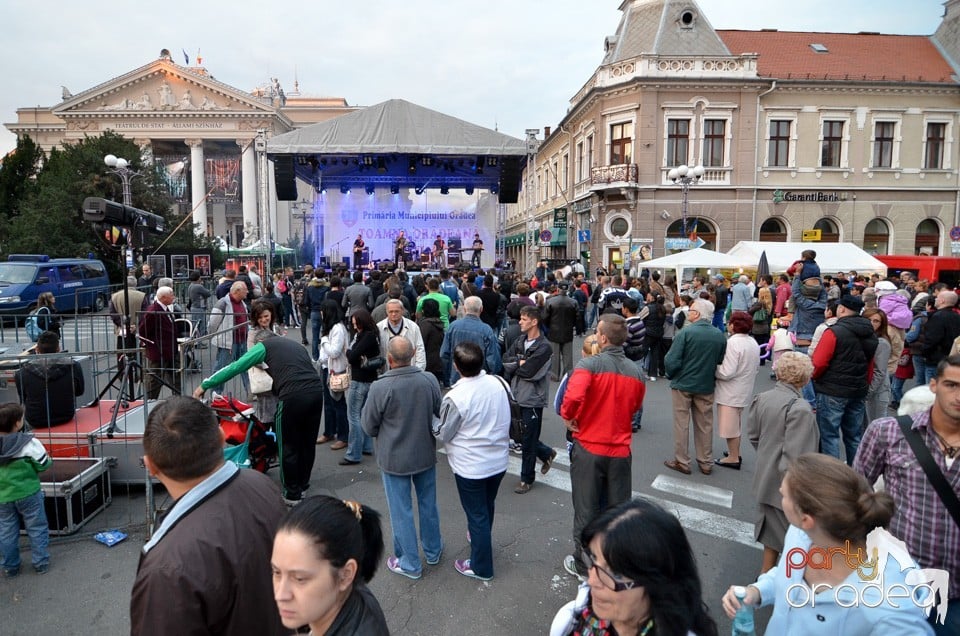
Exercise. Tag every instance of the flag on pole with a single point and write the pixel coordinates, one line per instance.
(693, 231)
(186, 58)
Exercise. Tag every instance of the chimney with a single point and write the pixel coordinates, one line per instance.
(546, 131)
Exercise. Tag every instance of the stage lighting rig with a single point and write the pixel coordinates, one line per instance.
(97, 210)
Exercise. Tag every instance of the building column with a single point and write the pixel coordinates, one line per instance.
(198, 185)
(248, 167)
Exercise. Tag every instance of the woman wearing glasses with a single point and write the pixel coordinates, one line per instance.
(642, 578)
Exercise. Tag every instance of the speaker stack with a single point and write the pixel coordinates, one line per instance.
(509, 179)
(286, 178)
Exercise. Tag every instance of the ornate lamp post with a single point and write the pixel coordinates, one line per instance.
(685, 176)
(302, 210)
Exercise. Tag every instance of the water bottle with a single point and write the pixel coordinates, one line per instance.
(743, 619)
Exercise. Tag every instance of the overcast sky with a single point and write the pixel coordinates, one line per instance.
(513, 64)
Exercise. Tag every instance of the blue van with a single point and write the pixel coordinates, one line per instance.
(76, 283)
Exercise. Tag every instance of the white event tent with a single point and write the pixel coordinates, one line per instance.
(698, 258)
(831, 257)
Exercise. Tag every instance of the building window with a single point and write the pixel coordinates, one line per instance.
(832, 144)
(936, 138)
(883, 144)
(876, 237)
(580, 165)
(927, 238)
(556, 180)
(713, 136)
(778, 152)
(589, 153)
(565, 172)
(621, 143)
(678, 142)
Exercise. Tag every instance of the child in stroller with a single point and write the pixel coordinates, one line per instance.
(250, 443)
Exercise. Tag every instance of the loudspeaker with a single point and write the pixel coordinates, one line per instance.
(453, 245)
(413, 266)
(509, 179)
(285, 177)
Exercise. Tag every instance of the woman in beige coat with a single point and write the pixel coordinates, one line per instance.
(734, 389)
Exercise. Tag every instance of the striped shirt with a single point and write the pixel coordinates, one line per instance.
(920, 520)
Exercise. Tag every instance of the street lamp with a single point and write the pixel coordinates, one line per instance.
(685, 176)
(121, 167)
(302, 210)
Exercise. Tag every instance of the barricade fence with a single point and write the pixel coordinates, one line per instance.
(109, 410)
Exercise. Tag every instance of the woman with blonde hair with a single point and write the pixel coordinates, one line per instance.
(826, 583)
(781, 426)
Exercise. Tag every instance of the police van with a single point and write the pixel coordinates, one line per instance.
(76, 283)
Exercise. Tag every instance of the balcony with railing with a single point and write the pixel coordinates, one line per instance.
(618, 174)
(711, 176)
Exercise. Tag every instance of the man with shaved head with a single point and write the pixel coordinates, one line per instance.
(398, 415)
(942, 328)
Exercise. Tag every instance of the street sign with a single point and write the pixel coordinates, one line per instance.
(682, 243)
(955, 233)
(546, 236)
(559, 217)
(811, 235)
(583, 236)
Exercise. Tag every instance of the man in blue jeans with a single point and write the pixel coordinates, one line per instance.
(398, 415)
(842, 368)
(527, 364)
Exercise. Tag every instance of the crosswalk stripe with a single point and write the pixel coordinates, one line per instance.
(698, 492)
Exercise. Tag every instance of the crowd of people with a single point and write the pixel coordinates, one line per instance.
(402, 362)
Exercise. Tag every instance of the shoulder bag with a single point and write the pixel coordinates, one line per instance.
(929, 465)
(517, 426)
(260, 380)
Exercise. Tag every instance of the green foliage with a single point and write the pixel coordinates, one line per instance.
(50, 219)
(17, 177)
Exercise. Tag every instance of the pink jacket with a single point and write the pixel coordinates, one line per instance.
(897, 309)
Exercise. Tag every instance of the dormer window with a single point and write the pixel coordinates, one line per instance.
(820, 48)
(687, 18)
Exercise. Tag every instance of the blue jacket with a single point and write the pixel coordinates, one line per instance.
(470, 329)
(809, 312)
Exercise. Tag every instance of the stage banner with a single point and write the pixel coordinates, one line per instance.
(380, 217)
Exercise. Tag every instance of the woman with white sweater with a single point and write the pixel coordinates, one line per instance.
(734, 388)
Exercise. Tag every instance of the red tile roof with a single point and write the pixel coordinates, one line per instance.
(851, 56)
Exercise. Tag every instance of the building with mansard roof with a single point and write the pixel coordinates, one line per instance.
(851, 134)
(201, 131)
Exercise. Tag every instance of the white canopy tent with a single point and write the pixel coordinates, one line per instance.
(831, 257)
(698, 258)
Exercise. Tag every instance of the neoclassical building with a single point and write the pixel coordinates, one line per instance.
(849, 134)
(202, 132)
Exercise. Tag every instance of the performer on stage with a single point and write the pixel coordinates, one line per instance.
(440, 252)
(477, 248)
(399, 249)
(358, 250)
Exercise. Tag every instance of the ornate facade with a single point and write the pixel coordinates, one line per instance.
(849, 134)
(202, 132)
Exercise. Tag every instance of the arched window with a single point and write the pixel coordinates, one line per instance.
(773, 229)
(829, 232)
(928, 238)
(876, 237)
(700, 227)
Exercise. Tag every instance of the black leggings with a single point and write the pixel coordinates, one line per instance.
(297, 424)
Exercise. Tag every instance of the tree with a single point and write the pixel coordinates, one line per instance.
(51, 220)
(17, 174)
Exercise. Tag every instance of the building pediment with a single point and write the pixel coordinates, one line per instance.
(163, 88)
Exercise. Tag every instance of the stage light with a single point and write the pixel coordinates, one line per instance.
(420, 189)
(395, 188)
(469, 189)
(494, 189)
(381, 165)
(427, 161)
(323, 189)
(491, 161)
(323, 161)
(369, 189)
(368, 161)
(344, 189)
(478, 165)
(444, 189)
(413, 166)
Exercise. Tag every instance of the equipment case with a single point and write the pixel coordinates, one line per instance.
(75, 490)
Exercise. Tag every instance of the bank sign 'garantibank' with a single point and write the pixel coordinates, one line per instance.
(779, 196)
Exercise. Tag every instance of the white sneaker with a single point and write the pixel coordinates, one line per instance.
(570, 565)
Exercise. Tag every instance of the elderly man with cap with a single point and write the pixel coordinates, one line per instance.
(842, 369)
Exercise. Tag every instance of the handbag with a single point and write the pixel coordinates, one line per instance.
(933, 472)
(260, 380)
(371, 364)
(517, 426)
(339, 382)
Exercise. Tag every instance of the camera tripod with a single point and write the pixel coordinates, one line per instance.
(129, 373)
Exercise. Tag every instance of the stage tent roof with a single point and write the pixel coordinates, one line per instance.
(396, 126)
(831, 257)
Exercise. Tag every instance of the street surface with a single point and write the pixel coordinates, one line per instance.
(88, 588)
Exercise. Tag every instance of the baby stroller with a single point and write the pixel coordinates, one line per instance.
(250, 443)
(186, 338)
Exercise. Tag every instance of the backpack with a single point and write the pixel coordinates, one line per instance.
(282, 285)
(32, 326)
(300, 291)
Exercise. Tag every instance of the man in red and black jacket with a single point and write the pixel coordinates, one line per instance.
(842, 368)
(603, 393)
